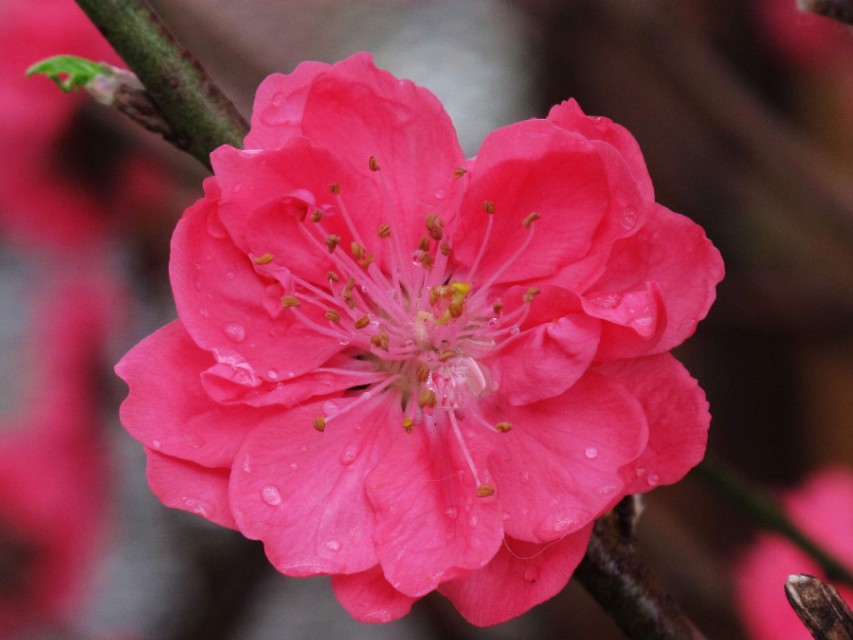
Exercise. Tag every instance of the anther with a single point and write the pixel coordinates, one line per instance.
(362, 322)
(333, 315)
(488, 206)
(422, 373)
(529, 220)
(358, 252)
(423, 245)
(384, 231)
(332, 242)
(427, 398)
(264, 259)
(320, 424)
(456, 307)
(531, 293)
(427, 260)
(331, 275)
(503, 426)
(407, 424)
(317, 215)
(380, 340)
(373, 163)
(460, 171)
(444, 356)
(437, 292)
(290, 301)
(335, 188)
(367, 260)
(444, 248)
(485, 490)
(498, 307)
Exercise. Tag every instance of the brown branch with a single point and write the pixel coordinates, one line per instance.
(823, 612)
(841, 10)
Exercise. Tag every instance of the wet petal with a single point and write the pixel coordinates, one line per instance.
(368, 597)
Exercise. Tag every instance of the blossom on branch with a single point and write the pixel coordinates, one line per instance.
(416, 372)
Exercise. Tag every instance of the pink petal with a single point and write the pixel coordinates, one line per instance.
(302, 491)
(569, 115)
(581, 189)
(368, 597)
(558, 468)
(220, 300)
(520, 576)
(361, 111)
(553, 350)
(672, 252)
(183, 422)
(429, 521)
(279, 102)
(678, 418)
(191, 487)
(629, 315)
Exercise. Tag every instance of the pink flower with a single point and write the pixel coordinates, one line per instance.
(413, 372)
(823, 508)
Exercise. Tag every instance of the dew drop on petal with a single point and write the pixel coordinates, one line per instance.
(156, 444)
(505, 516)
(291, 374)
(349, 454)
(653, 480)
(230, 275)
(293, 466)
(440, 194)
(515, 331)
(629, 219)
(343, 342)
(525, 477)
(272, 374)
(452, 513)
(531, 574)
(641, 471)
(333, 545)
(271, 495)
(382, 616)
(278, 99)
(591, 453)
(474, 520)
(234, 331)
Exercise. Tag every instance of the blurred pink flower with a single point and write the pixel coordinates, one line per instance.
(53, 469)
(823, 508)
(414, 372)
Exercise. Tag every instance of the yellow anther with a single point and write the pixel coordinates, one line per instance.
(333, 315)
(438, 291)
(422, 373)
(317, 215)
(332, 242)
(407, 424)
(290, 301)
(264, 259)
(362, 322)
(384, 231)
(331, 275)
(455, 308)
(320, 424)
(460, 171)
(351, 302)
(423, 245)
(358, 252)
(531, 293)
(498, 307)
(444, 248)
(427, 260)
(349, 286)
(427, 398)
(488, 206)
(485, 490)
(367, 260)
(335, 188)
(433, 221)
(373, 163)
(380, 340)
(444, 356)
(436, 233)
(503, 426)
(529, 220)
(460, 289)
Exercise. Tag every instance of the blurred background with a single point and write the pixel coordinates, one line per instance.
(744, 112)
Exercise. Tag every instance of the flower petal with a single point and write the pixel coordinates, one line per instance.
(183, 422)
(220, 300)
(558, 468)
(191, 487)
(278, 106)
(368, 597)
(672, 252)
(302, 491)
(430, 523)
(678, 418)
(520, 576)
(581, 190)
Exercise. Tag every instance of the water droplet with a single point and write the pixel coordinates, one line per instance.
(204, 313)
(238, 187)
(156, 444)
(333, 545)
(247, 464)
(452, 513)
(195, 439)
(230, 275)
(505, 516)
(515, 331)
(197, 285)
(629, 219)
(366, 394)
(349, 454)
(591, 453)
(606, 301)
(293, 466)
(278, 99)
(343, 342)
(474, 520)
(380, 616)
(531, 574)
(271, 495)
(440, 194)
(525, 477)
(607, 490)
(291, 374)
(493, 322)
(272, 374)
(198, 507)
(653, 479)
(234, 331)
(641, 471)
(330, 407)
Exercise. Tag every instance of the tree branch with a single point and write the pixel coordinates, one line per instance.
(199, 115)
(823, 612)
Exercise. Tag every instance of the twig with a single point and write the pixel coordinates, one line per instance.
(823, 612)
(613, 574)
(766, 512)
(841, 10)
(201, 118)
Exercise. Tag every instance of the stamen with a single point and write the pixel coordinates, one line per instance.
(332, 241)
(362, 322)
(320, 424)
(465, 452)
(333, 315)
(485, 490)
(427, 398)
(460, 171)
(288, 302)
(317, 215)
(335, 188)
(331, 275)
(444, 248)
(407, 424)
(529, 220)
(423, 245)
(358, 251)
(264, 259)
(503, 426)
(488, 206)
(384, 231)
(373, 163)
(531, 293)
